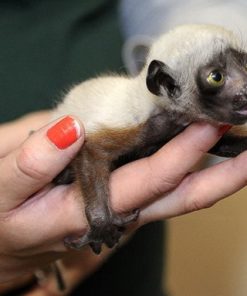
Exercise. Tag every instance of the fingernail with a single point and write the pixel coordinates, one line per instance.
(223, 129)
(64, 133)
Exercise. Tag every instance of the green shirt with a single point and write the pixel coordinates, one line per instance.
(49, 45)
(46, 47)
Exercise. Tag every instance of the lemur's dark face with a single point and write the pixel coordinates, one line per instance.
(222, 87)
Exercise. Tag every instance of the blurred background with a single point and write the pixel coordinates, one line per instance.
(207, 250)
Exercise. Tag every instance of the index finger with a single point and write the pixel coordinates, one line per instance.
(37, 161)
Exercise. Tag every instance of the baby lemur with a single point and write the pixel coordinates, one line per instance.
(193, 73)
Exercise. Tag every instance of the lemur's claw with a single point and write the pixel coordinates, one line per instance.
(76, 243)
(108, 232)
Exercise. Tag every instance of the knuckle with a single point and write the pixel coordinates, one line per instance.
(159, 183)
(198, 203)
(200, 146)
(29, 165)
(193, 206)
(163, 185)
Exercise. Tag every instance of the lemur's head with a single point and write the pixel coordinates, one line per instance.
(201, 70)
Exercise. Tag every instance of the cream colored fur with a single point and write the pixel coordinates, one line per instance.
(108, 102)
(122, 102)
(197, 41)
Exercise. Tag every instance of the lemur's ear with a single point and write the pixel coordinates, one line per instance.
(160, 78)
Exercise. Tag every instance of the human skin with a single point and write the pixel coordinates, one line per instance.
(163, 185)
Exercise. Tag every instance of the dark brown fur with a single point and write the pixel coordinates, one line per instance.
(92, 168)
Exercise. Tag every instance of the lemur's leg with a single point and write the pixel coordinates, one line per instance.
(103, 152)
(92, 167)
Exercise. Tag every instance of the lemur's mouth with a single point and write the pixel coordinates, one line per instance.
(242, 110)
(240, 101)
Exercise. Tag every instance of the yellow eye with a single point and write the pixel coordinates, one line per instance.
(215, 78)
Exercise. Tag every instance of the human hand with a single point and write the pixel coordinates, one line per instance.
(164, 184)
(32, 216)
(160, 187)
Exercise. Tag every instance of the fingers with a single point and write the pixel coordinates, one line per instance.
(205, 188)
(38, 160)
(51, 215)
(150, 177)
(200, 190)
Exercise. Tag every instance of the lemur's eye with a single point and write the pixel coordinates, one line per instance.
(216, 78)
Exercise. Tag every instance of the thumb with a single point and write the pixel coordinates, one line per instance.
(38, 160)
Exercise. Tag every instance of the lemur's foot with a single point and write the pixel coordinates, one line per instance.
(107, 231)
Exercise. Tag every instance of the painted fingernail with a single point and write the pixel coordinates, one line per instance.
(64, 133)
(224, 128)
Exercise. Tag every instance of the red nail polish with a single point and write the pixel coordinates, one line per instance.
(64, 133)
(224, 128)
